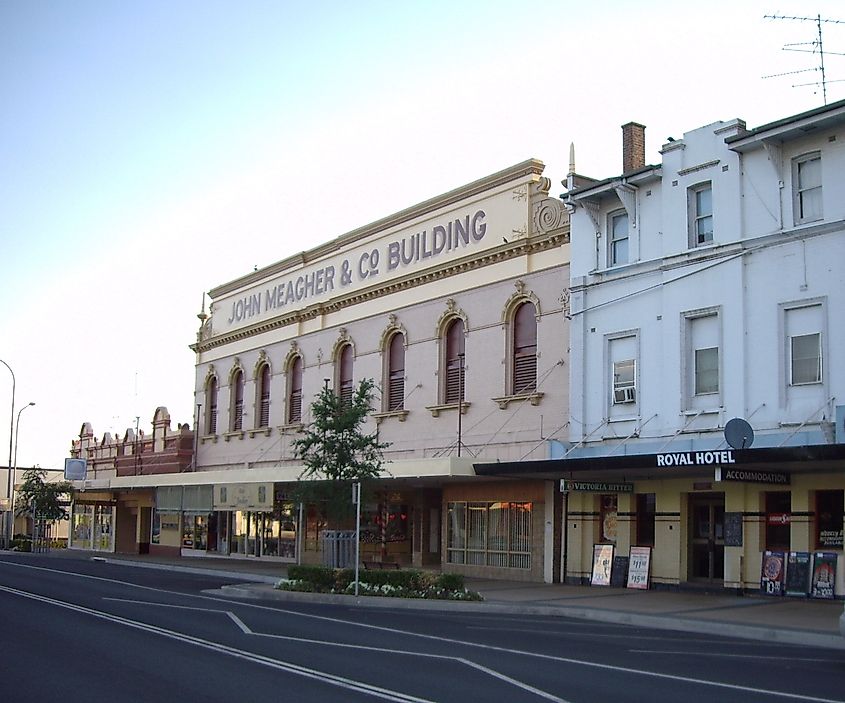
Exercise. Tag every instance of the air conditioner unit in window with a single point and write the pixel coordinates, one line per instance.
(625, 395)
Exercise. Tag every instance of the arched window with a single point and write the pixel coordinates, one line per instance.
(524, 360)
(396, 372)
(295, 391)
(453, 391)
(344, 374)
(237, 417)
(211, 406)
(263, 393)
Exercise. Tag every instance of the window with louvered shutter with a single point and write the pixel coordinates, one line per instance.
(396, 373)
(211, 404)
(454, 391)
(295, 391)
(264, 397)
(345, 375)
(524, 367)
(238, 404)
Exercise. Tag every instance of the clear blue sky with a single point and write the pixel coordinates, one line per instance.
(150, 151)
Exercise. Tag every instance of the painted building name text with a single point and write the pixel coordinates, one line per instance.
(364, 267)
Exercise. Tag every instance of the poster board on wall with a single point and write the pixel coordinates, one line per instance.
(602, 564)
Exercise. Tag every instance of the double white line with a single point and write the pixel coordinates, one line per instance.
(339, 681)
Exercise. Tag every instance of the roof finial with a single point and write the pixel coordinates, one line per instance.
(571, 159)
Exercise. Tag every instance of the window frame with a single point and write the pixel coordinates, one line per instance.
(212, 392)
(523, 348)
(236, 405)
(294, 374)
(344, 369)
(454, 362)
(394, 398)
(799, 191)
(613, 241)
(693, 398)
(263, 379)
(696, 216)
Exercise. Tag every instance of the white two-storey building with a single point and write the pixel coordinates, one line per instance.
(705, 289)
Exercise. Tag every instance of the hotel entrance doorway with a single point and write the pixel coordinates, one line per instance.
(707, 537)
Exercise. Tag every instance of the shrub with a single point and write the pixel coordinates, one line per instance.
(321, 577)
(449, 582)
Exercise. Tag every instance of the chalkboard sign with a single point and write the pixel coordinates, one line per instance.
(733, 529)
(798, 574)
(619, 572)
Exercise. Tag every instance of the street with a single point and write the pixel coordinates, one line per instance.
(78, 630)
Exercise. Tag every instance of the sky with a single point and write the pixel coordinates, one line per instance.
(151, 151)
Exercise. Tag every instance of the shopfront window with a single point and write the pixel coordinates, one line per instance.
(103, 528)
(829, 516)
(195, 531)
(778, 509)
(82, 521)
(489, 534)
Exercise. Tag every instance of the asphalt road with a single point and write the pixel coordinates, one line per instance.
(75, 630)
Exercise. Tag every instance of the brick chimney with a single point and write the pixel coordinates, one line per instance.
(633, 146)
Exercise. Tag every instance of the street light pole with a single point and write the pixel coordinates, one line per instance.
(10, 520)
(15, 473)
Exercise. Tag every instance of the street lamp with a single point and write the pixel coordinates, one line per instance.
(10, 521)
(15, 472)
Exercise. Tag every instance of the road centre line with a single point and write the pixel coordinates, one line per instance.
(381, 650)
(323, 677)
(728, 655)
(506, 650)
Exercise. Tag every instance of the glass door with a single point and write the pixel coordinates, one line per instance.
(707, 537)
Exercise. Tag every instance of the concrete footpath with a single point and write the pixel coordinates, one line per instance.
(814, 623)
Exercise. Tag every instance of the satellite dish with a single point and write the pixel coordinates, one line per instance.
(739, 434)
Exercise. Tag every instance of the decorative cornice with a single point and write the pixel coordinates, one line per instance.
(495, 255)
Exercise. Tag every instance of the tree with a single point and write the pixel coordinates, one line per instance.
(40, 497)
(336, 452)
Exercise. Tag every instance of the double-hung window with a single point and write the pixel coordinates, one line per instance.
(396, 373)
(803, 327)
(236, 422)
(211, 406)
(295, 391)
(807, 188)
(702, 382)
(524, 350)
(617, 227)
(344, 374)
(701, 214)
(263, 396)
(455, 376)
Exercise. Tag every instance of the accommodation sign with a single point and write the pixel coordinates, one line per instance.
(595, 486)
(366, 265)
(777, 478)
(714, 458)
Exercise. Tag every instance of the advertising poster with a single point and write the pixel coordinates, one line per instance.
(639, 565)
(824, 575)
(772, 573)
(798, 574)
(602, 563)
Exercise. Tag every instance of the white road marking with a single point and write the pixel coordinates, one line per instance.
(448, 640)
(621, 635)
(322, 676)
(381, 650)
(728, 655)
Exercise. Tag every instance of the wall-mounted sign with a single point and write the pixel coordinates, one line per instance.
(777, 478)
(243, 496)
(595, 486)
(76, 469)
(714, 458)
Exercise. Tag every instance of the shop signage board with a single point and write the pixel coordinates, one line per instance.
(639, 566)
(243, 496)
(775, 478)
(602, 563)
(772, 573)
(76, 469)
(824, 575)
(733, 529)
(711, 458)
(798, 574)
(595, 486)
(619, 571)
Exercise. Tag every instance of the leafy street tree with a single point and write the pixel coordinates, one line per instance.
(337, 453)
(45, 497)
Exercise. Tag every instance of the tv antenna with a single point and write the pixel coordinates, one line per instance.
(816, 46)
